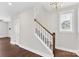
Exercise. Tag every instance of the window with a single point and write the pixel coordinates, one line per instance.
(66, 21)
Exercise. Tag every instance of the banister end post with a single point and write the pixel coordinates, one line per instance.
(34, 19)
(53, 43)
(54, 33)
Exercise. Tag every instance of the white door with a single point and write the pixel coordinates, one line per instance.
(17, 31)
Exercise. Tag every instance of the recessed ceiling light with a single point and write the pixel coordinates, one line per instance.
(10, 3)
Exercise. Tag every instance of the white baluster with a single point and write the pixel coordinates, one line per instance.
(48, 40)
(41, 34)
(35, 29)
(46, 37)
(38, 29)
(52, 43)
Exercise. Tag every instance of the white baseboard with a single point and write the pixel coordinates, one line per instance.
(77, 52)
(3, 36)
(70, 50)
(35, 51)
(12, 42)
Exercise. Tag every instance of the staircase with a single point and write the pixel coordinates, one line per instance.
(45, 36)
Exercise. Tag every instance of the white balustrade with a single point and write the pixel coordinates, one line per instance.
(45, 36)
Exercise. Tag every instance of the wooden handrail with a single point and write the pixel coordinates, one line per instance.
(43, 27)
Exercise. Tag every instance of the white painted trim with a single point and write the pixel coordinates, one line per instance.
(35, 51)
(3, 36)
(12, 42)
(66, 49)
(77, 52)
(70, 50)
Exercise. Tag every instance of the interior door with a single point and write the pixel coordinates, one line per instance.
(17, 31)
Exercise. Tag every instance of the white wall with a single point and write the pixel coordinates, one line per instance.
(68, 40)
(47, 18)
(4, 14)
(3, 29)
(4, 25)
(50, 19)
(78, 29)
(26, 37)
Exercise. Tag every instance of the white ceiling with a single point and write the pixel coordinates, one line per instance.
(51, 5)
(17, 7)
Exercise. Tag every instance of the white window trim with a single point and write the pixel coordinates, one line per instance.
(63, 13)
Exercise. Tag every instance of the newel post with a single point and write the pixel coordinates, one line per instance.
(53, 44)
(34, 19)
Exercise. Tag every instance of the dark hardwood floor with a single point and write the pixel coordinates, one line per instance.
(9, 50)
(62, 53)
